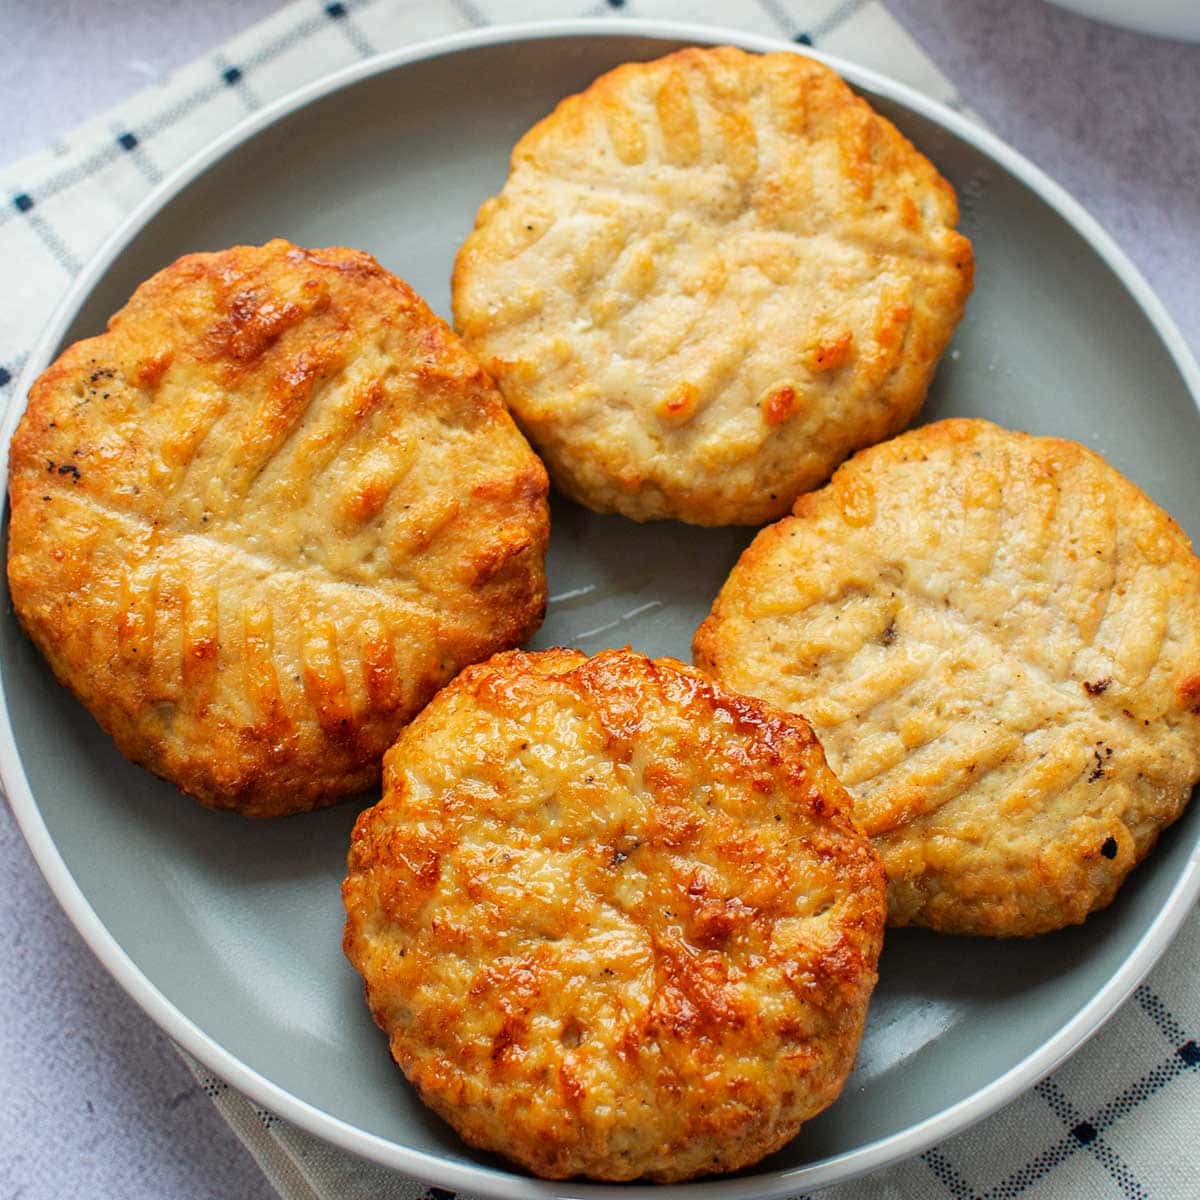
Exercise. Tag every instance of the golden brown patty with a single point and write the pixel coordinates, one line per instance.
(997, 639)
(262, 519)
(707, 280)
(615, 921)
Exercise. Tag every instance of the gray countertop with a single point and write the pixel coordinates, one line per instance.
(93, 1099)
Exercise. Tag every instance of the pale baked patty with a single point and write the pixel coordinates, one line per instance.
(707, 280)
(615, 921)
(265, 516)
(997, 639)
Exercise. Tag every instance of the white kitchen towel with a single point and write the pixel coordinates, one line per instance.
(1120, 1118)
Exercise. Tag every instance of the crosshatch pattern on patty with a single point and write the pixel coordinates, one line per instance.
(265, 516)
(709, 278)
(997, 638)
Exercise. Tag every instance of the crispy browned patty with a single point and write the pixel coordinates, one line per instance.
(615, 921)
(265, 516)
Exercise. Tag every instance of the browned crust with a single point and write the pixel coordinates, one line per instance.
(616, 921)
(1089, 594)
(228, 535)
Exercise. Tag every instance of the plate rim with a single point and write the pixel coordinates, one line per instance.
(474, 1177)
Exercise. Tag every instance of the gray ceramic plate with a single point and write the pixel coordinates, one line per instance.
(228, 932)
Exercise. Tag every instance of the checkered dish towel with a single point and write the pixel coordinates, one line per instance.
(1107, 1124)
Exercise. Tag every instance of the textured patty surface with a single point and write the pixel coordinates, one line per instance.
(997, 639)
(707, 280)
(259, 521)
(615, 921)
